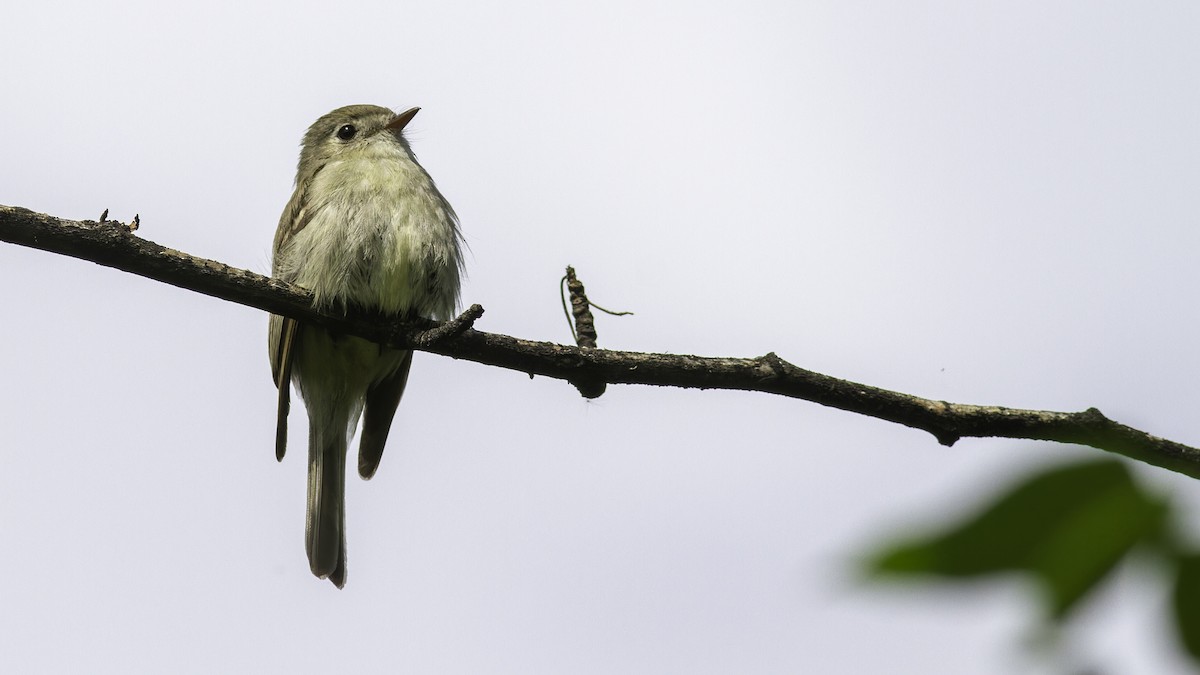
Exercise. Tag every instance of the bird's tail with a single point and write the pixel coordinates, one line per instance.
(325, 533)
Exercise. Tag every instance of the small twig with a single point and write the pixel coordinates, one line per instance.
(131, 227)
(579, 299)
(609, 311)
(585, 325)
(452, 328)
(562, 294)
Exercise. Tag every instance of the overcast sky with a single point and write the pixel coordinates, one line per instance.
(987, 202)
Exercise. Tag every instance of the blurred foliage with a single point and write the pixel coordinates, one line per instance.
(1186, 603)
(1066, 528)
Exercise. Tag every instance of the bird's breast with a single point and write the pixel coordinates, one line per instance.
(381, 236)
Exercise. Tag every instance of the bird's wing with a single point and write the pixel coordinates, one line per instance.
(282, 336)
(282, 347)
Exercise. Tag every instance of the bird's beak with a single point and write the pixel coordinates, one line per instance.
(402, 119)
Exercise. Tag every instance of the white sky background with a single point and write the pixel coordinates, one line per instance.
(980, 202)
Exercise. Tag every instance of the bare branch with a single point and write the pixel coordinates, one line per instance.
(113, 244)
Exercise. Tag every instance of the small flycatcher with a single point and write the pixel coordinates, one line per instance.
(366, 228)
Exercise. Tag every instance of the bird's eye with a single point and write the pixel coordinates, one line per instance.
(346, 132)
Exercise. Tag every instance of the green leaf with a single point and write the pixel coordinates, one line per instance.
(1186, 599)
(1066, 527)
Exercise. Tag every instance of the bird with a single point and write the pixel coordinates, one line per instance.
(366, 229)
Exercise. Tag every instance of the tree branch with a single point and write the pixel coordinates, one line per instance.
(113, 244)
